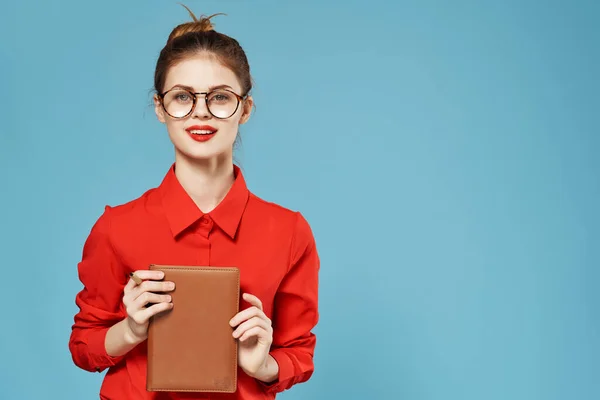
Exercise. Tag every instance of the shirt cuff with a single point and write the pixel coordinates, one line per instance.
(97, 348)
(286, 372)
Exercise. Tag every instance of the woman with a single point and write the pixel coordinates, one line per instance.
(201, 214)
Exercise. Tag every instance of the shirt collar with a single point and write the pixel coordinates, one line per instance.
(181, 211)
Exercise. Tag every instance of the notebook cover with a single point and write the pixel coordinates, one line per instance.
(191, 347)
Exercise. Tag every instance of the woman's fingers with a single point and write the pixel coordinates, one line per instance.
(252, 299)
(148, 286)
(251, 324)
(150, 291)
(136, 278)
(151, 298)
(146, 274)
(258, 331)
(247, 314)
(142, 316)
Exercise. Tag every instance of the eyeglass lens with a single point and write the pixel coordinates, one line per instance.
(179, 103)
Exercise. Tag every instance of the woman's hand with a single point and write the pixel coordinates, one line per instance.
(255, 335)
(137, 297)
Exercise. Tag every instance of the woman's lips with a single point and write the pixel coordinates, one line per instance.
(201, 133)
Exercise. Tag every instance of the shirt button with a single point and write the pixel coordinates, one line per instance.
(205, 220)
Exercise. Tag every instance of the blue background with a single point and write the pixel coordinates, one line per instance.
(445, 154)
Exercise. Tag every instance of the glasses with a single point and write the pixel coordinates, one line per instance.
(221, 103)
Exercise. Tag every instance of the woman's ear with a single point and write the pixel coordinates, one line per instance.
(160, 113)
(247, 109)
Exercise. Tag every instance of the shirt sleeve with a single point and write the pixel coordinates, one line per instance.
(295, 312)
(99, 301)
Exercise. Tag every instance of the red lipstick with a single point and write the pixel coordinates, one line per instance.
(201, 133)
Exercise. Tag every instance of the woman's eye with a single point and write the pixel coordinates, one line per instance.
(220, 98)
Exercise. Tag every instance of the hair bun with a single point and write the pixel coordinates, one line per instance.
(202, 24)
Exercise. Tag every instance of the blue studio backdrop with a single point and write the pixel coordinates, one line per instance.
(444, 153)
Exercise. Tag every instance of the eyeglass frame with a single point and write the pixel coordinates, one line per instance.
(239, 98)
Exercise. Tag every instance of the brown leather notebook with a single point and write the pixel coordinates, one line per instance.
(191, 347)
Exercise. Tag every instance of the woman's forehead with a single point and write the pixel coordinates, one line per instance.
(201, 73)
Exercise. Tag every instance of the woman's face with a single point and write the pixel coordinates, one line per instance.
(200, 135)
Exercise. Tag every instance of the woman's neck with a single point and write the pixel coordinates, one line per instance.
(206, 182)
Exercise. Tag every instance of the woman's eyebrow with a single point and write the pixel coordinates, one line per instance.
(210, 88)
(223, 86)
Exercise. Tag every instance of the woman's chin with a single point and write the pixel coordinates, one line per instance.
(202, 150)
(202, 155)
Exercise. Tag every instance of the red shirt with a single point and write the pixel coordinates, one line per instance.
(272, 246)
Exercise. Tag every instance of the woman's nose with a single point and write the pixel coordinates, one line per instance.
(201, 110)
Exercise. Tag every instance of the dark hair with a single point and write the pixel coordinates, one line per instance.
(199, 36)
